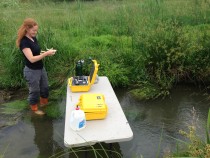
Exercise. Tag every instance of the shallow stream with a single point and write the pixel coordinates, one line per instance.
(154, 125)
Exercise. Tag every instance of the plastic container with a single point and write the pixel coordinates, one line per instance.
(94, 106)
(84, 84)
(77, 119)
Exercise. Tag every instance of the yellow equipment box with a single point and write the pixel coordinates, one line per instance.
(93, 105)
(83, 83)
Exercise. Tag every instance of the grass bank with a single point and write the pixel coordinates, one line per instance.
(146, 45)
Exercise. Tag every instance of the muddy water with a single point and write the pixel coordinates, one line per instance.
(42, 137)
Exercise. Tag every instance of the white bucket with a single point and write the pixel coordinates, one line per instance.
(77, 120)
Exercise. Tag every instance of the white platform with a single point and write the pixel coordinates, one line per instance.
(114, 128)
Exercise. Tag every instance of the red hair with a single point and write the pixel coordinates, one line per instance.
(27, 24)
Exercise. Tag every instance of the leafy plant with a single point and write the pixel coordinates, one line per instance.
(163, 43)
(196, 146)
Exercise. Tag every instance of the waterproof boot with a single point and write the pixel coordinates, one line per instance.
(34, 108)
(43, 101)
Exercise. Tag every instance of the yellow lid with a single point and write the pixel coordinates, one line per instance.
(92, 102)
(93, 71)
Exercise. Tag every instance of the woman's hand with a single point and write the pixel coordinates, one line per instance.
(49, 52)
(28, 53)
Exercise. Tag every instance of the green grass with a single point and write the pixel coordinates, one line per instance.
(14, 107)
(98, 150)
(192, 146)
(148, 46)
(155, 42)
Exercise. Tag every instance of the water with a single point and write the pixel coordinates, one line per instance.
(149, 120)
(42, 137)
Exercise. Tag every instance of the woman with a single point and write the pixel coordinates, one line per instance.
(34, 71)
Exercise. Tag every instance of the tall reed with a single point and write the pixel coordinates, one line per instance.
(156, 42)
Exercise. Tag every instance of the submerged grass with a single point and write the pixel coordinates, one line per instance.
(14, 107)
(3, 152)
(18, 106)
(52, 110)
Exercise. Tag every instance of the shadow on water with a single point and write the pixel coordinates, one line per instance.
(42, 137)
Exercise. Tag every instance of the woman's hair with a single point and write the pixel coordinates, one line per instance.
(27, 24)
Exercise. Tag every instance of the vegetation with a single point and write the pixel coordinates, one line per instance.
(150, 44)
(4, 151)
(193, 145)
(97, 151)
(14, 107)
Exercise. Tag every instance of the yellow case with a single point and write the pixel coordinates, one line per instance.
(93, 105)
(90, 80)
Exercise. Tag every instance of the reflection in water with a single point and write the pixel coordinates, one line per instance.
(43, 135)
(149, 120)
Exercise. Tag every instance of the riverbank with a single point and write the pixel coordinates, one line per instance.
(12, 95)
(164, 42)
